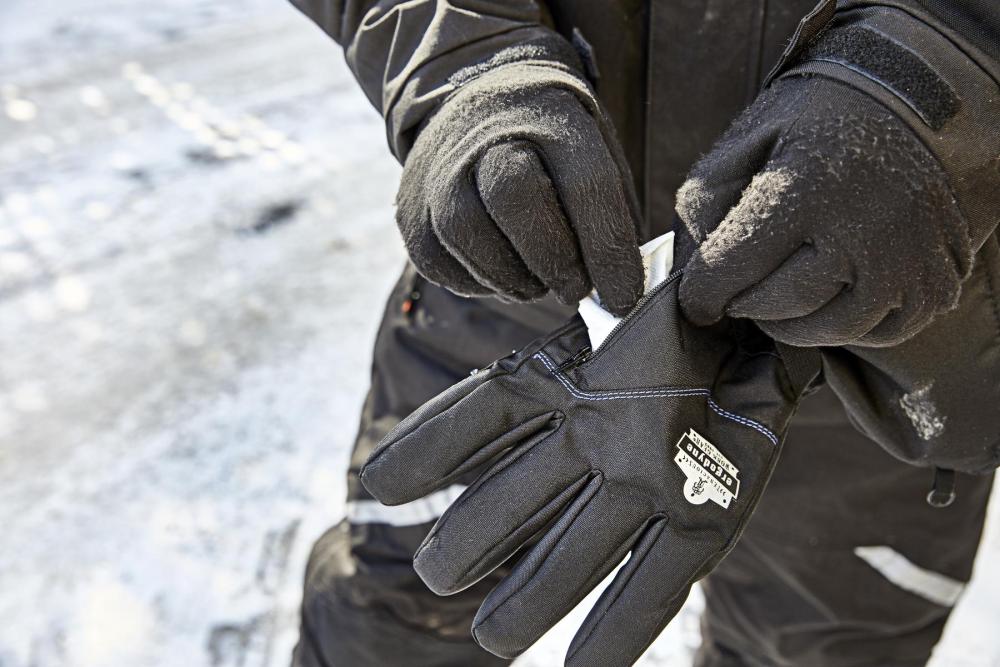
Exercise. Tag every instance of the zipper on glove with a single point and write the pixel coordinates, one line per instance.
(646, 298)
(575, 360)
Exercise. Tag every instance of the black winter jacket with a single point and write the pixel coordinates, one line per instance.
(672, 76)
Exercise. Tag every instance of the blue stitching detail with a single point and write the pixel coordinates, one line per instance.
(652, 393)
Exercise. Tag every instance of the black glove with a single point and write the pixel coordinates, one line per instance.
(823, 218)
(845, 204)
(517, 186)
(660, 443)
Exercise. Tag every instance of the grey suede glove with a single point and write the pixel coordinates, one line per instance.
(516, 186)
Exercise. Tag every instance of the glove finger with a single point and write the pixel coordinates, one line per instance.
(596, 195)
(717, 181)
(645, 595)
(430, 258)
(472, 538)
(453, 433)
(918, 307)
(465, 228)
(585, 544)
(806, 281)
(846, 318)
(519, 195)
(897, 326)
(750, 243)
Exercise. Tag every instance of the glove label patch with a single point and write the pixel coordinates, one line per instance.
(710, 475)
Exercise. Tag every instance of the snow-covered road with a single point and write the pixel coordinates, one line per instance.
(195, 240)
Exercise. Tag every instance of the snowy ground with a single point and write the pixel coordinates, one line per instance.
(195, 240)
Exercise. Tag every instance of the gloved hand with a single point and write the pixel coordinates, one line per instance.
(822, 216)
(517, 186)
(660, 443)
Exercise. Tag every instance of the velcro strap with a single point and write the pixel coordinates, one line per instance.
(946, 90)
(891, 65)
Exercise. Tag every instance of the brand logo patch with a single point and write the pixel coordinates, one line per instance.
(710, 475)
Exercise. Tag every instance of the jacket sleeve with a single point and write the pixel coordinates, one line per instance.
(406, 54)
(933, 400)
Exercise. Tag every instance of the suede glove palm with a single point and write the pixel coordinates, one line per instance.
(659, 444)
(516, 186)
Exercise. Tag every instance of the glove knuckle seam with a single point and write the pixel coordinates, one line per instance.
(662, 392)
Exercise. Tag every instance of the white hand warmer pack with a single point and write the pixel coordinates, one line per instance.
(658, 262)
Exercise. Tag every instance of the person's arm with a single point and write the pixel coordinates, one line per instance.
(405, 53)
(514, 183)
(854, 207)
(933, 400)
(848, 202)
(973, 22)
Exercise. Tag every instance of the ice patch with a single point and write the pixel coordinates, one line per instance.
(922, 412)
(112, 625)
(21, 110)
(72, 294)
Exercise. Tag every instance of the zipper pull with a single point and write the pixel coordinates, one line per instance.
(575, 360)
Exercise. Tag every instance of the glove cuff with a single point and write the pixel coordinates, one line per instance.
(544, 50)
(424, 94)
